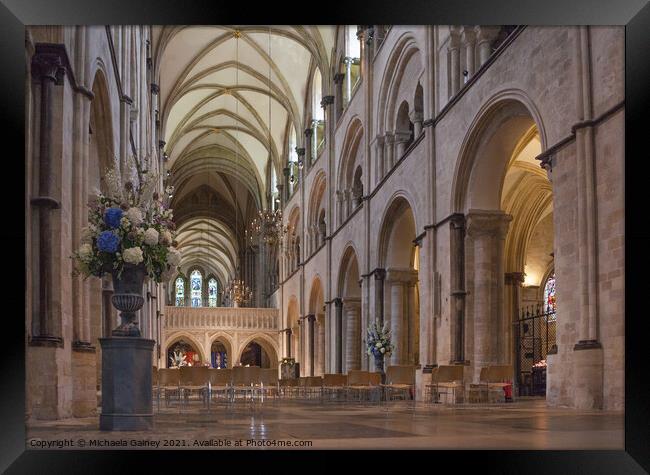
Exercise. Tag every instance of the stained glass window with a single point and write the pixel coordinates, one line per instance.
(196, 282)
(180, 292)
(549, 296)
(212, 293)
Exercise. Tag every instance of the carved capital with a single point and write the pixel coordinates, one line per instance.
(380, 274)
(48, 65)
(327, 100)
(308, 133)
(300, 151)
(492, 223)
(338, 78)
(514, 278)
(401, 275)
(155, 88)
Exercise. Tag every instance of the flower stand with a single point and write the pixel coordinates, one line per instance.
(127, 400)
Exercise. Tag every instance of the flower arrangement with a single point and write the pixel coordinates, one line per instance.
(178, 359)
(378, 341)
(129, 224)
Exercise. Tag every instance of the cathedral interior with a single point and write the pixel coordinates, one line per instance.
(461, 186)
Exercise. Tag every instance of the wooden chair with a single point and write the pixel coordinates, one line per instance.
(245, 379)
(400, 380)
(194, 379)
(168, 382)
(447, 379)
(363, 385)
(499, 377)
(478, 392)
(269, 382)
(334, 385)
(220, 382)
(312, 386)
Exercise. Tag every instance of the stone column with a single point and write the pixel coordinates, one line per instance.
(513, 281)
(338, 87)
(320, 320)
(47, 69)
(338, 335)
(379, 158)
(485, 35)
(287, 188)
(81, 317)
(412, 319)
(301, 346)
(488, 230)
(397, 319)
(353, 334)
(310, 343)
(310, 153)
(389, 151)
(401, 140)
(417, 118)
(454, 60)
(457, 251)
(468, 39)
(380, 275)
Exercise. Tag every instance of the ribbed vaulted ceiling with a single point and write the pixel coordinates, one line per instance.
(228, 98)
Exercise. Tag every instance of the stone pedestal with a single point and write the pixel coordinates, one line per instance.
(588, 376)
(126, 384)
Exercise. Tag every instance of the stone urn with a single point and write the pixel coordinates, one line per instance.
(127, 298)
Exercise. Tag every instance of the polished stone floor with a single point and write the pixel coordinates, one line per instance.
(524, 424)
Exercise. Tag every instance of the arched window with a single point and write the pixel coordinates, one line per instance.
(351, 62)
(196, 285)
(549, 296)
(317, 115)
(212, 292)
(293, 161)
(180, 292)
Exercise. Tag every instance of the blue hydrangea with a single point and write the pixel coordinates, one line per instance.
(108, 241)
(112, 217)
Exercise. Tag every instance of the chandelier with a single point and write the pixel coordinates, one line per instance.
(268, 227)
(238, 292)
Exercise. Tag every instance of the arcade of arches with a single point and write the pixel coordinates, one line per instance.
(462, 185)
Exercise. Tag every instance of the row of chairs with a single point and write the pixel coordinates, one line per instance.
(211, 383)
(356, 385)
(495, 383)
(254, 382)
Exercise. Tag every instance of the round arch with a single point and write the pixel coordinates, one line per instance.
(266, 343)
(227, 342)
(397, 232)
(182, 335)
(493, 135)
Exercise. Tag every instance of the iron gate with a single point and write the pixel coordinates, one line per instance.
(534, 339)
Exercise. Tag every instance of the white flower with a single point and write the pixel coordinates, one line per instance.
(151, 236)
(383, 350)
(378, 344)
(166, 237)
(140, 232)
(87, 235)
(173, 257)
(85, 252)
(135, 216)
(125, 222)
(133, 255)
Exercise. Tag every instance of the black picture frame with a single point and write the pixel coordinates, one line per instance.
(634, 14)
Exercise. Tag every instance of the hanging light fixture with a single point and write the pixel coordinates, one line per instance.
(267, 225)
(238, 292)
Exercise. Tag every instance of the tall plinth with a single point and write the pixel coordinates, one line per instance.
(127, 402)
